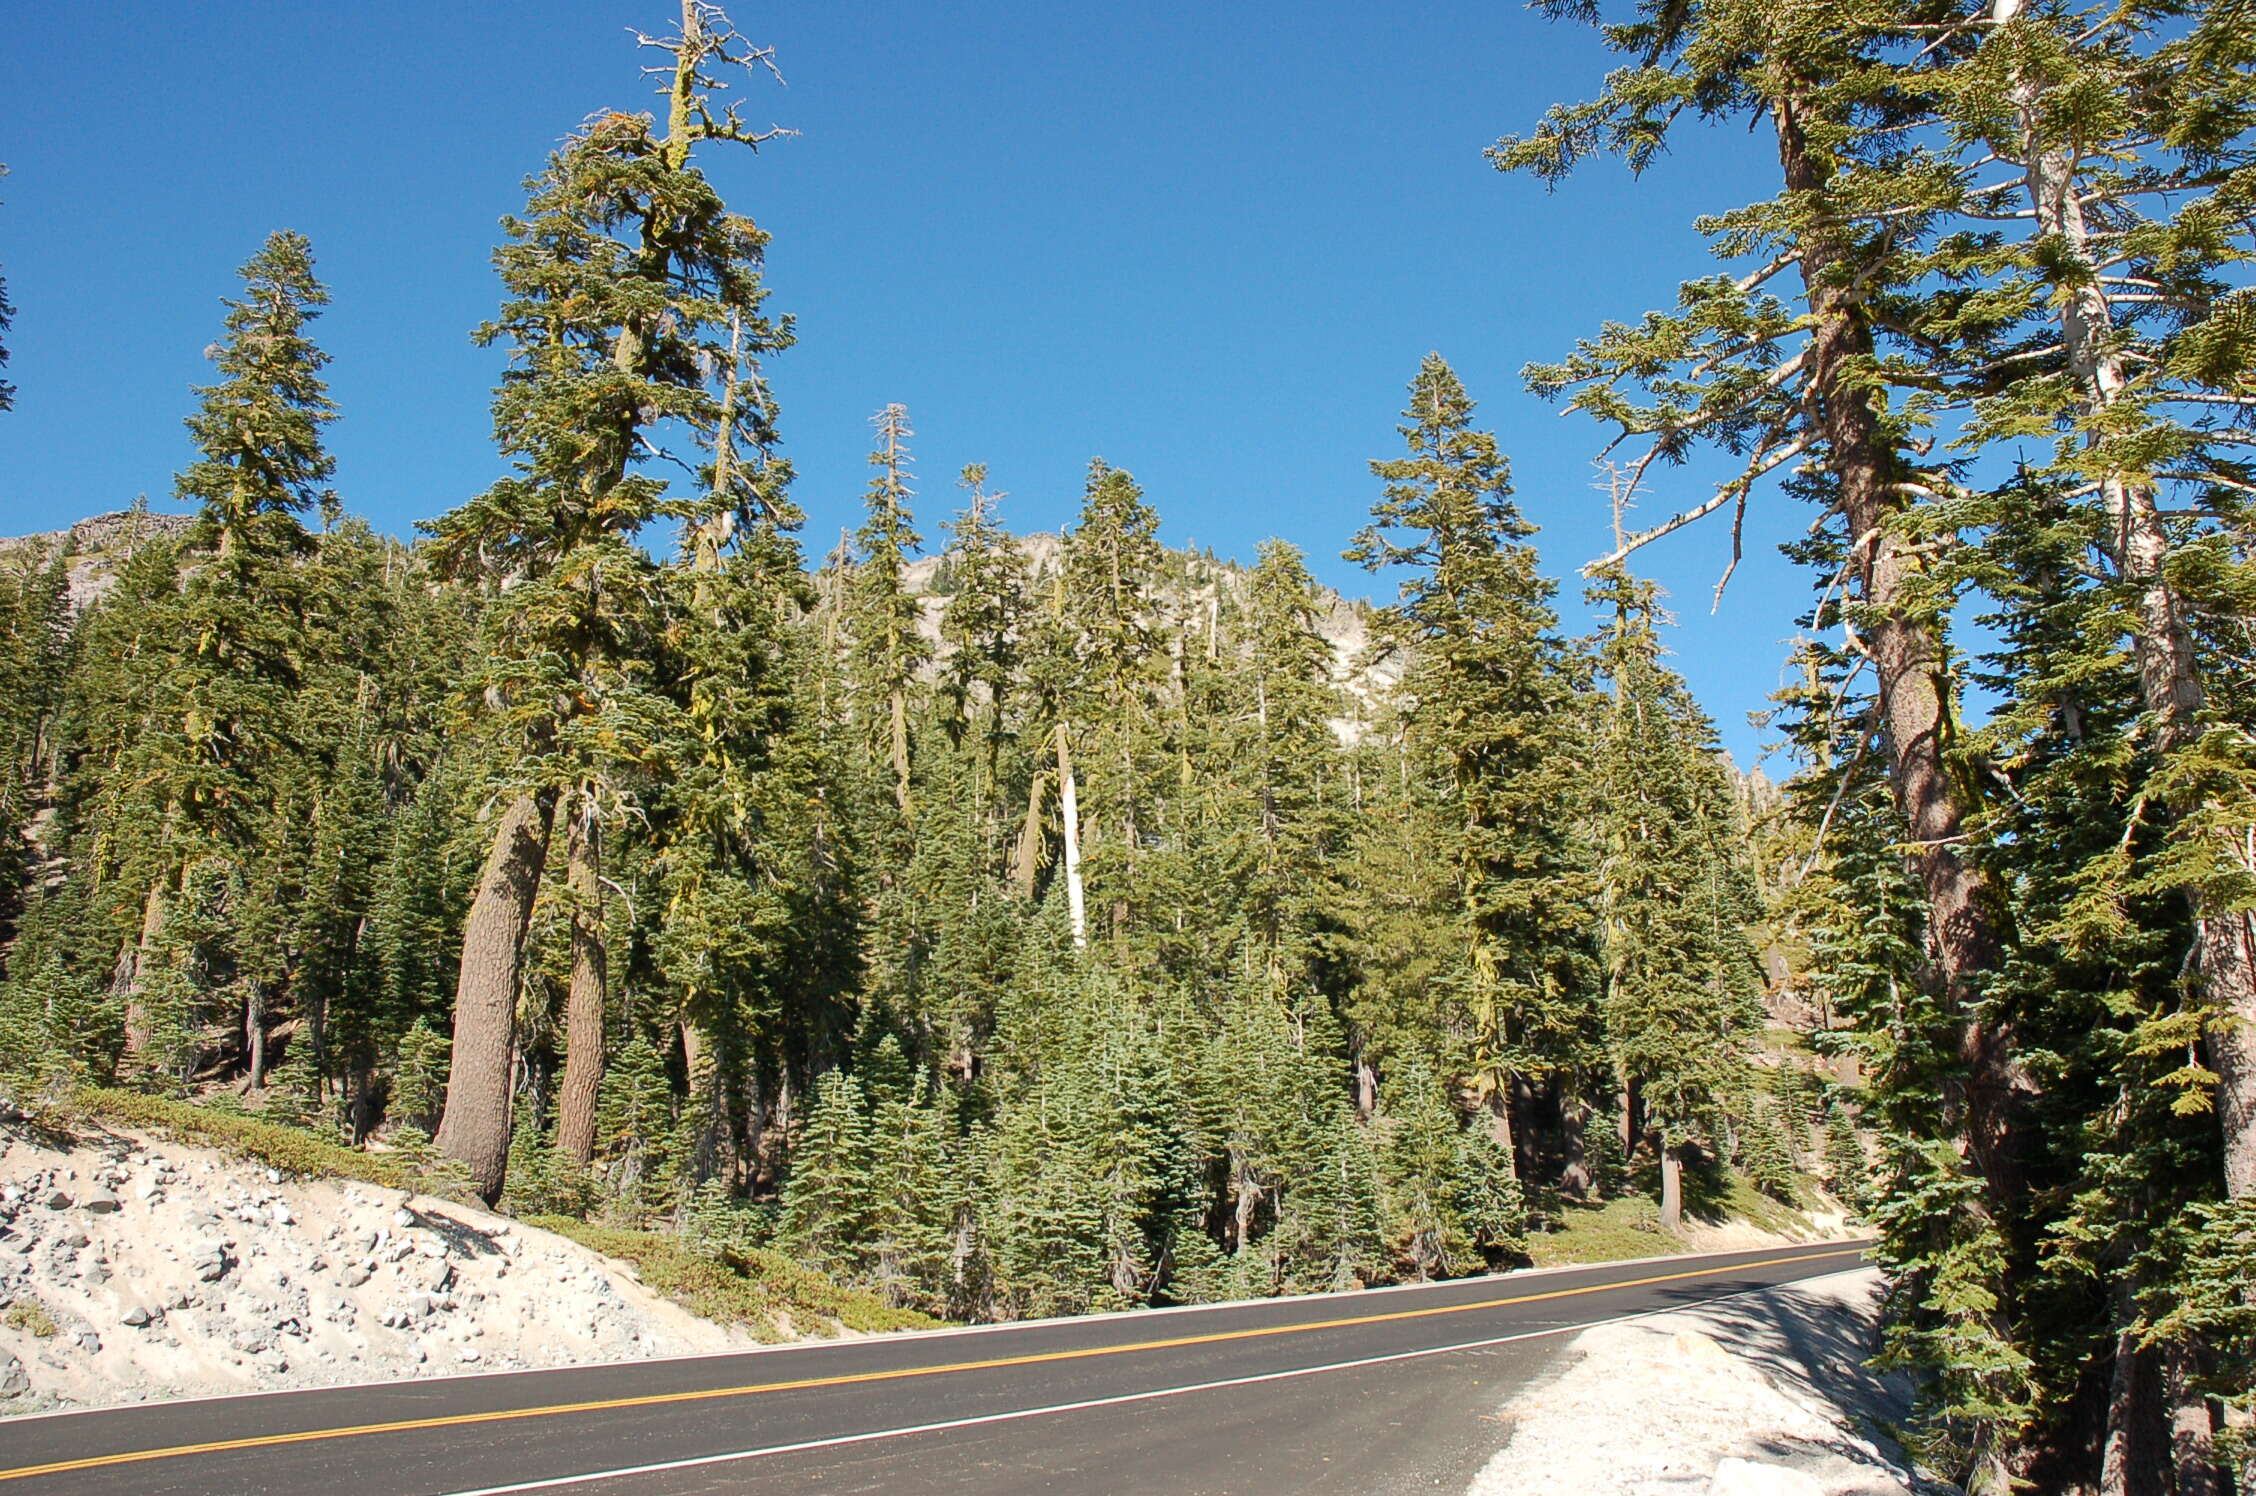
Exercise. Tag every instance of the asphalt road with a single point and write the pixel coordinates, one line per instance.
(1387, 1390)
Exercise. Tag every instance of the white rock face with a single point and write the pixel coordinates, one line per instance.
(174, 1271)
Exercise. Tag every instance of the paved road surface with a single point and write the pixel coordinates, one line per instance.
(1382, 1391)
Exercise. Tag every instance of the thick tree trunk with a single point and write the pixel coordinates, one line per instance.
(1574, 1122)
(2131, 1462)
(2170, 685)
(1672, 1183)
(1069, 811)
(1500, 1126)
(1908, 657)
(585, 999)
(897, 746)
(1026, 856)
(474, 1128)
(713, 1143)
(133, 965)
(2193, 1425)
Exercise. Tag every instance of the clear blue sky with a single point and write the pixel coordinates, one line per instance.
(1208, 242)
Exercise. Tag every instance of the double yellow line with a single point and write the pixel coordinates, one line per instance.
(606, 1405)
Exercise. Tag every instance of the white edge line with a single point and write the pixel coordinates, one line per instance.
(855, 1338)
(626, 1472)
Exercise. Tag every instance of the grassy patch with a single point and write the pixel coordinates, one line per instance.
(1631, 1226)
(1744, 1201)
(28, 1314)
(751, 1288)
(1618, 1229)
(293, 1150)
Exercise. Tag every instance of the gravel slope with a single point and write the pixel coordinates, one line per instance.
(1762, 1395)
(136, 1270)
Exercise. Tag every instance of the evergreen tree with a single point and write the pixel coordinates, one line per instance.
(883, 617)
(632, 292)
(1492, 708)
(1680, 1007)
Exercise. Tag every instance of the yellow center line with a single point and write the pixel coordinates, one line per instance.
(460, 1420)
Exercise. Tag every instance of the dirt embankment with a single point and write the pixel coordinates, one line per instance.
(134, 1269)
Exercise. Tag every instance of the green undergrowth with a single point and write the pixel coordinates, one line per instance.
(293, 1150)
(761, 1290)
(1618, 1229)
(1631, 1226)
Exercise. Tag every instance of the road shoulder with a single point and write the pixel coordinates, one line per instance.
(1764, 1394)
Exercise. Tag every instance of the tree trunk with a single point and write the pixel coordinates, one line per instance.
(2170, 685)
(1070, 813)
(1672, 1183)
(1574, 1179)
(897, 744)
(2130, 1463)
(1247, 1200)
(1026, 857)
(2193, 1425)
(712, 1148)
(1500, 1126)
(1908, 657)
(132, 967)
(474, 1128)
(254, 1035)
(590, 989)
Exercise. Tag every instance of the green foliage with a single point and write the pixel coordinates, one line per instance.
(419, 1075)
(26, 1313)
(293, 1150)
(1766, 1156)
(1848, 1170)
(1449, 1199)
(762, 1290)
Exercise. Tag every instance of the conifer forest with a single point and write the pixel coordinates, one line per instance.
(1025, 924)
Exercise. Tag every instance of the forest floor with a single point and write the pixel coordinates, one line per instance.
(1765, 1394)
(1728, 1216)
(135, 1267)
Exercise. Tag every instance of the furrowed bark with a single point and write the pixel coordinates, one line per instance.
(474, 1128)
(1907, 654)
(132, 967)
(2193, 1425)
(2130, 1462)
(590, 988)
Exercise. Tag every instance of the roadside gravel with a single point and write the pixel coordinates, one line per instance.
(1766, 1394)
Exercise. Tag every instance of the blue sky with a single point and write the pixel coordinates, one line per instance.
(1208, 242)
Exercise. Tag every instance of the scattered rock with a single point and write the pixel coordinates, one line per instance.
(101, 1202)
(141, 1315)
(56, 1199)
(14, 1380)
